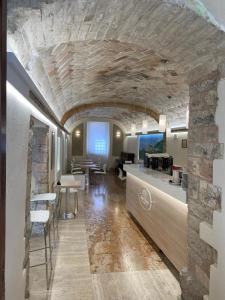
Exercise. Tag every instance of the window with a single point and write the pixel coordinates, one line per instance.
(100, 146)
(98, 138)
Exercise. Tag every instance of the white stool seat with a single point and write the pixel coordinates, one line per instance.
(71, 190)
(39, 216)
(44, 197)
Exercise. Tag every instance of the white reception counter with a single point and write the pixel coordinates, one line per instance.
(160, 208)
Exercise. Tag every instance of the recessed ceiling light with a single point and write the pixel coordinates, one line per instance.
(164, 60)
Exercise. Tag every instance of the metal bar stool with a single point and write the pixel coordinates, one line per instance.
(43, 217)
(51, 202)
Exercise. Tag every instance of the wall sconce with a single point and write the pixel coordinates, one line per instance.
(118, 134)
(187, 117)
(145, 126)
(162, 123)
(133, 129)
(77, 133)
(168, 130)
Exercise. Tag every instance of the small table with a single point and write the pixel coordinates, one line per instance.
(87, 166)
(67, 182)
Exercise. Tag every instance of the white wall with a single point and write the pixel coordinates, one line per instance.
(19, 111)
(131, 145)
(173, 147)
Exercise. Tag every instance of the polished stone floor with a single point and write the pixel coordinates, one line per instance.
(115, 242)
(104, 255)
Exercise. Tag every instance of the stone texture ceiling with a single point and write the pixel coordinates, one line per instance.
(135, 51)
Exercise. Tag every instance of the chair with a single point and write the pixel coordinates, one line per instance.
(75, 167)
(96, 168)
(43, 217)
(77, 171)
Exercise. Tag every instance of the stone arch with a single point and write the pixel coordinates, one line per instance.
(119, 124)
(128, 106)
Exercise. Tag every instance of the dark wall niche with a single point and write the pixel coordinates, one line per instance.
(78, 140)
(117, 141)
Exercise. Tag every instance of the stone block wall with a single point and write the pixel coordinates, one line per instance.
(203, 196)
(38, 168)
(27, 229)
(40, 157)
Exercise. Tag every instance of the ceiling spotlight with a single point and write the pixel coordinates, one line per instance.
(145, 126)
(164, 60)
(133, 129)
(187, 117)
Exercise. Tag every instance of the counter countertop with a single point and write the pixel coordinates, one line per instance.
(158, 180)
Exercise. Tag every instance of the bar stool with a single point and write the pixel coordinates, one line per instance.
(51, 201)
(42, 217)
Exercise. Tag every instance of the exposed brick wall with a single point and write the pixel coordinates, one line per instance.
(203, 196)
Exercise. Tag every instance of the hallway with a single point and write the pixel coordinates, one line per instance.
(102, 254)
(131, 94)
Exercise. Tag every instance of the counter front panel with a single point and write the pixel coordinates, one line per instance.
(162, 216)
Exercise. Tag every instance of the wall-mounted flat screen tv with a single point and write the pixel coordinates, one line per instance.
(151, 143)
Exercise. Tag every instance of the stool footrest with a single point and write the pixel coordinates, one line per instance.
(34, 250)
(41, 264)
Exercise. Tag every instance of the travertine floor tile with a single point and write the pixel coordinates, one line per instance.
(145, 285)
(104, 240)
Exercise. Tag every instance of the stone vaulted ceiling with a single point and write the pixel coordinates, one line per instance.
(133, 51)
